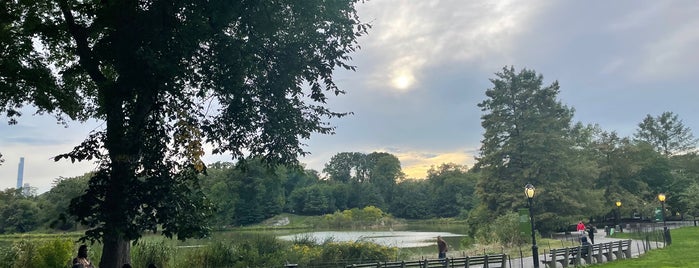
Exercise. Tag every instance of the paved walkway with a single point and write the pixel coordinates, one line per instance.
(600, 237)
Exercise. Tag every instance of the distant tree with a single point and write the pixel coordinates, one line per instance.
(254, 191)
(412, 200)
(347, 167)
(18, 213)
(316, 199)
(1, 159)
(384, 171)
(222, 190)
(248, 77)
(452, 189)
(54, 204)
(625, 171)
(689, 198)
(666, 133)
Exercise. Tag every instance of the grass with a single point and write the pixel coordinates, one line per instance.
(682, 252)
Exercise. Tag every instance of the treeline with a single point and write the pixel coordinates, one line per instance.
(250, 192)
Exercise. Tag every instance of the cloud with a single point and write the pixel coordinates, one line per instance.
(673, 54)
(409, 38)
(666, 48)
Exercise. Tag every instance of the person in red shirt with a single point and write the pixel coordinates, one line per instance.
(581, 228)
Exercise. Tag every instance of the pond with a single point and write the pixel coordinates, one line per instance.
(400, 239)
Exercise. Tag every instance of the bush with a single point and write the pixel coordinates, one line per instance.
(25, 254)
(55, 253)
(506, 229)
(8, 255)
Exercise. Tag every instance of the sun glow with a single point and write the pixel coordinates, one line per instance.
(402, 81)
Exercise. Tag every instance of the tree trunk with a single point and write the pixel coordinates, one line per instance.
(116, 252)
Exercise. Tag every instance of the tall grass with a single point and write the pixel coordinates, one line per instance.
(37, 253)
(151, 252)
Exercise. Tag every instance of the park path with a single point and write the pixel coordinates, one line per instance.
(600, 237)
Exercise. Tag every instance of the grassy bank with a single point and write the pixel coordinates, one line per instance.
(682, 252)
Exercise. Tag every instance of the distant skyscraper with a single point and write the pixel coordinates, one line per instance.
(20, 173)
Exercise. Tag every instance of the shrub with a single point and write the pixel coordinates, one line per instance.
(8, 255)
(25, 253)
(55, 253)
(506, 229)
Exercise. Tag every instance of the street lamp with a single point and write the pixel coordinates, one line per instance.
(618, 216)
(666, 232)
(529, 192)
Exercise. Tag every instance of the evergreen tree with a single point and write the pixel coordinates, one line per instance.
(527, 139)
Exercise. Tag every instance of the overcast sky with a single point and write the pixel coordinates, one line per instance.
(425, 65)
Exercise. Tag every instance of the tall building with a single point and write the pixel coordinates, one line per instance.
(20, 173)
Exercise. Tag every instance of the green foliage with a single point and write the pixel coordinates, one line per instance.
(365, 217)
(666, 133)
(354, 252)
(54, 203)
(217, 254)
(18, 213)
(147, 252)
(54, 253)
(37, 253)
(506, 230)
(413, 200)
(452, 188)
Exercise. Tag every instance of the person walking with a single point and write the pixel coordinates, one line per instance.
(591, 230)
(443, 248)
(581, 228)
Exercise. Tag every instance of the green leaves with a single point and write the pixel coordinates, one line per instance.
(666, 133)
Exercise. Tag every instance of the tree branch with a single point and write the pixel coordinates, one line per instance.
(84, 52)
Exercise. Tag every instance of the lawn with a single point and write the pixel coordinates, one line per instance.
(682, 252)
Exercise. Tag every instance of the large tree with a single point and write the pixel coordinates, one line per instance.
(248, 77)
(666, 133)
(527, 139)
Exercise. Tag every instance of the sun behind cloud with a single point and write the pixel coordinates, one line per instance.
(403, 81)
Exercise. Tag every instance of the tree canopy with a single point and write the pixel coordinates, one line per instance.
(666, 133)
(248, 77)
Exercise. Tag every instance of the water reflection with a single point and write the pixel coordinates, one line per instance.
(401, 239)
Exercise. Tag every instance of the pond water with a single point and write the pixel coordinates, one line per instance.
(400, 239)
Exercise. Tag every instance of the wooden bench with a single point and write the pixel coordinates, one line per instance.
(566, 256)
(485, 261)
(621, 249)
(597, 252)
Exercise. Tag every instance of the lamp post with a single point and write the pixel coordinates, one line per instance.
(666, 232)
(618, 216)
(529, 192)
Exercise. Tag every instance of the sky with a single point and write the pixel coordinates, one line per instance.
(425, 65)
